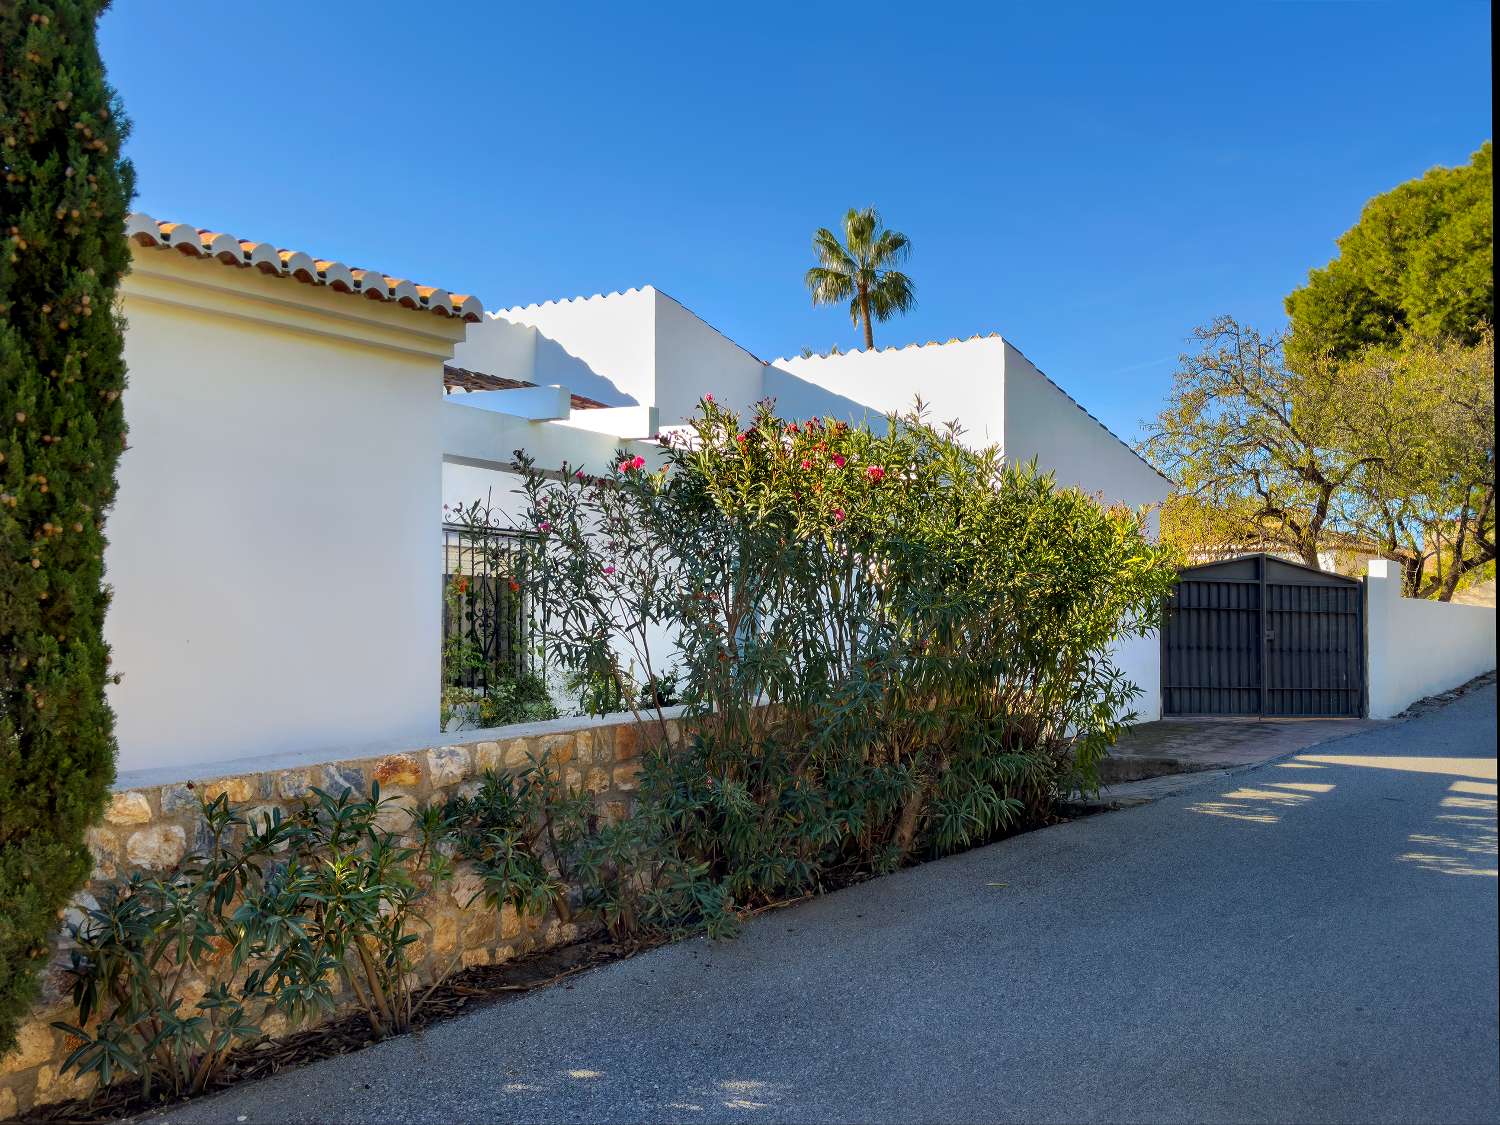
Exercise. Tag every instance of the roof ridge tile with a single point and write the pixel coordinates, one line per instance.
(199, 242)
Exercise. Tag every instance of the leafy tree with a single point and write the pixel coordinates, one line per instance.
(1424, 421)
(1419, 265)
(860, 270)
(63, 202)
(1261, 453)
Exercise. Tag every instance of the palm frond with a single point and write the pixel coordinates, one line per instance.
(893, 293)
(831, 252)
(890, 249)
(828, 286)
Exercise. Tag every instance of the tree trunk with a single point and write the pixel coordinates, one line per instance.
(864, 311)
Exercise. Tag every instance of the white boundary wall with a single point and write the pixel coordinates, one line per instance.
(1418, 648)
(273, 551)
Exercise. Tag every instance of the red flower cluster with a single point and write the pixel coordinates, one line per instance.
(631, 463)
(875, 473)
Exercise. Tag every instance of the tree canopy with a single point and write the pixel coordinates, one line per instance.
(63, 201)
(1418, 266)
(1391, 453)
(1260, 452)
(860, 269)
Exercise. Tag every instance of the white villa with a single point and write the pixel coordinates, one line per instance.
(275, 550)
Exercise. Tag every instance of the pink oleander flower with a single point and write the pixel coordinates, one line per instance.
(609, 569)
(875, 473)
(637, 462)
(806, 464)
(838, 459)
(741, 438)
(838, 515)
(708, 398)
(578, 473)
(544, 526)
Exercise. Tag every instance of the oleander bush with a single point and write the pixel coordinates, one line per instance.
(276, 915)
(889, 645)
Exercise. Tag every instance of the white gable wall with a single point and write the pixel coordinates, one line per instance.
(1041, 421)
(694, 359)
(962, 380)
(274, 547)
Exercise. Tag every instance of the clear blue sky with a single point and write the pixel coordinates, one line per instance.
(1089, 181)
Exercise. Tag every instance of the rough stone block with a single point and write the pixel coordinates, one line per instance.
(35, 1044)
(54, 1086)
(292, 785)
(448, 765)
(107, 852)
(510, 922)
(481, 926)
(444, 936)
(179, 798)
(627, 742)
(159, 846)
(75, 914)
(467, 890)
(516, 753)
(237, 789)
(560, 747)
(340, 776)
(399, 770)
(396, 807)
(128, 808)
(488, 756)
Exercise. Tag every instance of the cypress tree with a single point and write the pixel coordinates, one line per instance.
(63, 201)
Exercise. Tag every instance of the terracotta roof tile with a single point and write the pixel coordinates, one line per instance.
(198, 243)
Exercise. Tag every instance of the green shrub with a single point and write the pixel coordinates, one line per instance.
(63, 200)
(173, 970)
(890, 645)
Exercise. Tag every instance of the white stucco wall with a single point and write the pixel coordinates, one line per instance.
(602, 347)
(1041, 421)
(272, 547)
(1418, 648)
(963, 379)
(694, 359)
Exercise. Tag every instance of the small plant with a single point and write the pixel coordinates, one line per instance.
(174, 979)
(172, 971)
(520, 832)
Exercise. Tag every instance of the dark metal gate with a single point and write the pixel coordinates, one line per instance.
(1258, 635)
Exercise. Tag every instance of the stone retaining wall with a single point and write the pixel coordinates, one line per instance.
(155, 826)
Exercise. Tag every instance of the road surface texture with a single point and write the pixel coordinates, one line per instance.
(1309, 940)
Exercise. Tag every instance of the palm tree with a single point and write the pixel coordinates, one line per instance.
(858, 270)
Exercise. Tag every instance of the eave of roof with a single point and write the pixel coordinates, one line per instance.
(463, 379)
(197, 242)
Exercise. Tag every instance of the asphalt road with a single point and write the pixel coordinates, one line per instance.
(1311, 940)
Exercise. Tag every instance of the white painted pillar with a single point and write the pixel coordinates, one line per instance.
(1382, 600)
